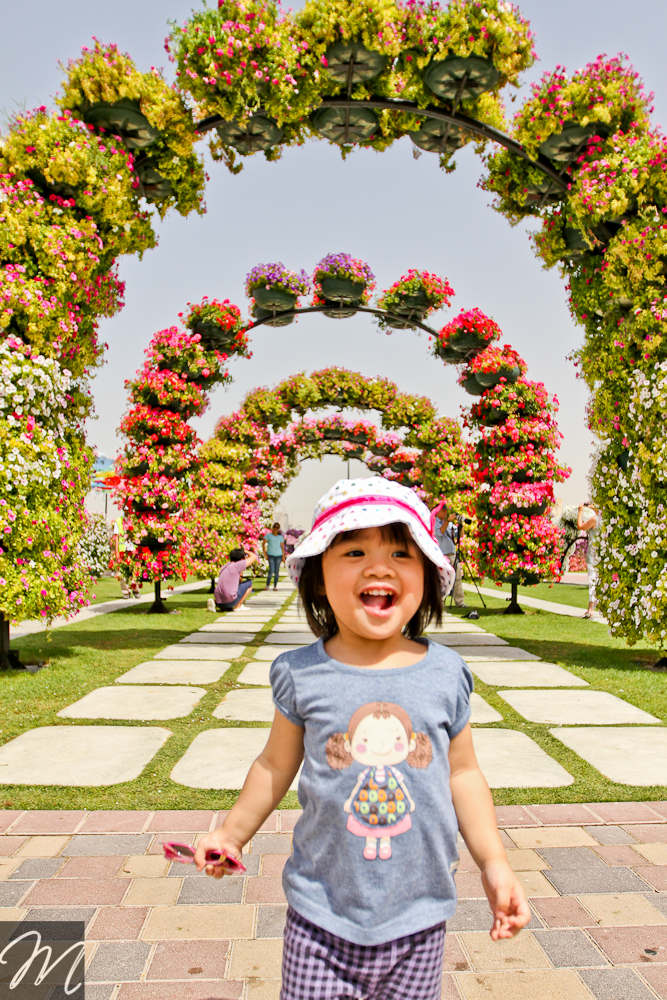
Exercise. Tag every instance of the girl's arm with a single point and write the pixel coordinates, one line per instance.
(477, 822)
(268, 781)
(585, 525)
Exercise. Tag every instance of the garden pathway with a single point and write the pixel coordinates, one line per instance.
(535, 602)
(595, 876)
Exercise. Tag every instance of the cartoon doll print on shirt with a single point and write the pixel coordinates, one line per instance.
(379, 737)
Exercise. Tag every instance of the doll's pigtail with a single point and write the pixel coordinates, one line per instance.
(337, 756)
(422, 755)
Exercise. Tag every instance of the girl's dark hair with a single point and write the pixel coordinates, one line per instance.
(236, 555)
(319, 612)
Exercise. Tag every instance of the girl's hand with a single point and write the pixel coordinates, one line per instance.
(507, 900)
(216, 841)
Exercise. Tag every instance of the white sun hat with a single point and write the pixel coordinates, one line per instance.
(354, 504)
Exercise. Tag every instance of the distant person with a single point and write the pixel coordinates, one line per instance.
(273, 546)
(591, 526)
(122, 544)
(230, 591)
(448, 533)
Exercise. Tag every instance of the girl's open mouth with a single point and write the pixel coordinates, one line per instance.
(378, 599)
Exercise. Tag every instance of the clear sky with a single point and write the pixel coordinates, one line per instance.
(387, 208)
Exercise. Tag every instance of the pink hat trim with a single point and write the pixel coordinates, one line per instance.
(365, 500)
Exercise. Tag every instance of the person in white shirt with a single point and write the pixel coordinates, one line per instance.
(447, 533)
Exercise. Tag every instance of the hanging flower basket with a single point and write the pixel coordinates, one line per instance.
(524, 579)
(470, 332)
(346, 126)
(534, 511)
(472, 386)
(213, 337)
(493, 417)
(333, 433)
(276, 318)
(252, 136)
(563, 146)
(436, 136)
(489, 379)
(339, 312)
(444, 77)
(355, 452)
(366, 64)
(342, 290)
(447, 354)
(156, 187)
(124, 118)
(274, 298)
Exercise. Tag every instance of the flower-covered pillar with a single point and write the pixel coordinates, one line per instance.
(159, 464)
(516, 436)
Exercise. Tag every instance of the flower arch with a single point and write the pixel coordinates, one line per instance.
(256, 452)
(78, 188)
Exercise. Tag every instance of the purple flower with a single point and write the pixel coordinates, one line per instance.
(277, 276)
(343, 265)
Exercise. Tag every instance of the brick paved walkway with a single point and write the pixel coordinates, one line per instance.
(596, 876)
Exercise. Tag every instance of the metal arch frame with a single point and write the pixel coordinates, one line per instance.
(465, 356)
(452, 118)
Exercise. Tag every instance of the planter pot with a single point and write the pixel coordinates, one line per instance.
(412, 305)
(448, 355)
(472, 386)
(465, 342)
(444, 77)
(345, 290)
(489, 379)
(533, 511)
(252, 136)
(563, 146)
(623, 460)
(435, 136)
(125, 118)
(332, 434)
(380, 452)
(338, 311)
(494, 418)
(214, 338)
(355, 453)
(351, 62)
(346, 126)
(156, 187)
(401, 466)
(154, 545)
(524, 579)
(274, 298)
(191, 374)
(520, 476)
(546, 193)
(271, 317)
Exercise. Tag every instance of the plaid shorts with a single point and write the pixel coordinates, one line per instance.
(320, 966)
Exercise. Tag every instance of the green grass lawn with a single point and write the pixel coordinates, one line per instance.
(561, 593)
(587, 649)
(91, 654)
(107, 588)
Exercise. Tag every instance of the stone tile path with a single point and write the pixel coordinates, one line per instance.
(611, 734)
(595, 875)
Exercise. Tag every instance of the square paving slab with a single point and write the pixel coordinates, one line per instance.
(255, 673)
(481, 711)
(510, 759)
(200, 652)
(292, 627)
(466, 639)
(203, 637)
(135, 703)
(247, 626)
(472, 653)
(247, 706)
(79, 755)
(575, 707)
(270, 652)
(220, 758)
(175, 672)
(291, 638)
(634, 756)
(525, 674)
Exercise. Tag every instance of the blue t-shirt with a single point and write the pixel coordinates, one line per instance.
(273, 544)
(375, 848)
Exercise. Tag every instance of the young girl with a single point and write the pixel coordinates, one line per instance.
(371, 694)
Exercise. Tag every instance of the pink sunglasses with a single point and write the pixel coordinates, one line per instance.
(185, 853)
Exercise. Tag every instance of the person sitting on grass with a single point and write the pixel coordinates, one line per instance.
(230, 591)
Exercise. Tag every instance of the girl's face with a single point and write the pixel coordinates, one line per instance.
(373, 584)
(378, 742)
